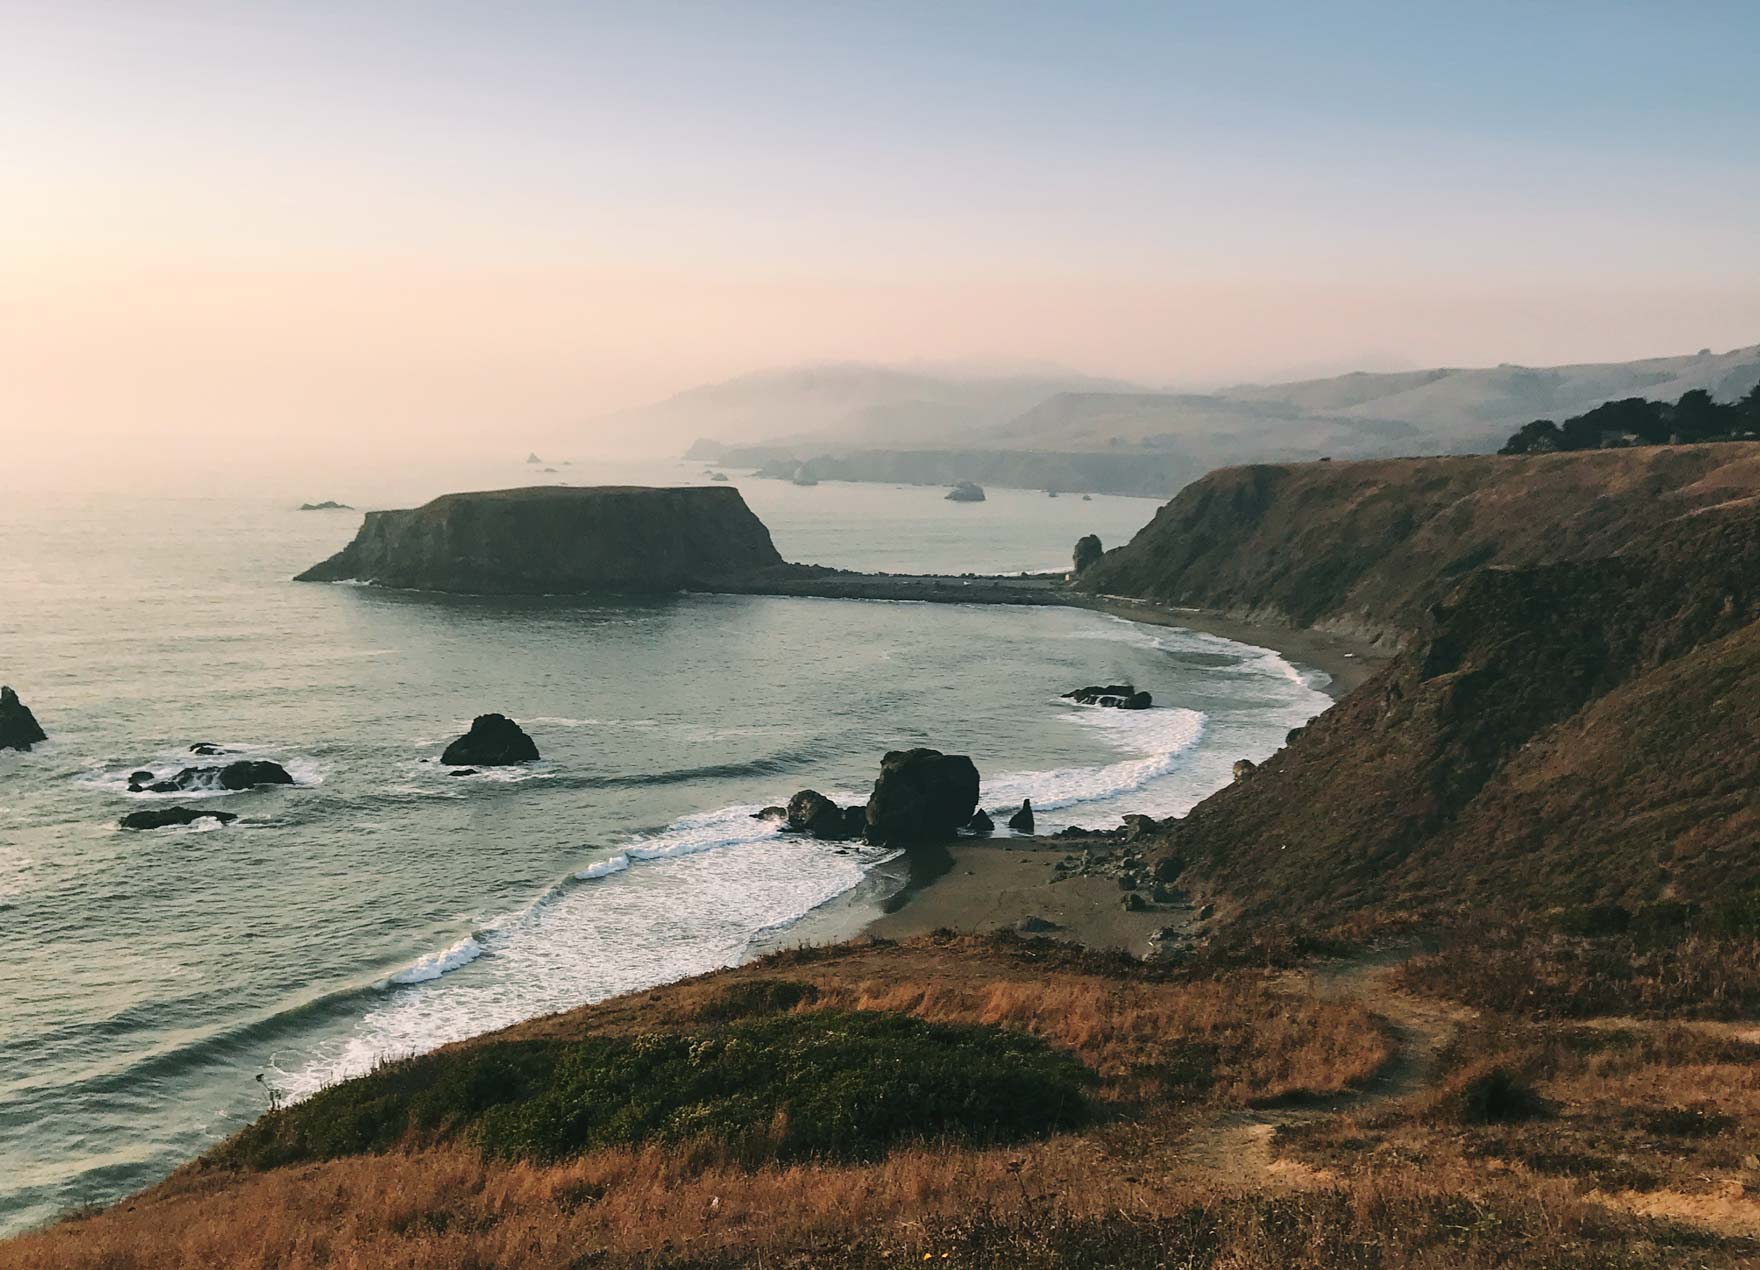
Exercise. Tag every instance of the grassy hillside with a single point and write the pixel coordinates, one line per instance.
(1366, 547)
(1566, 736)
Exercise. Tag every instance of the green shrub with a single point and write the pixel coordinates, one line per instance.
(832, 1085)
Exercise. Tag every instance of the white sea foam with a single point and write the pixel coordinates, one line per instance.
(436, 964)
(603, 868)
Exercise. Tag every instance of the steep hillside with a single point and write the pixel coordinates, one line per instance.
(1365, 547)
(1576, 732)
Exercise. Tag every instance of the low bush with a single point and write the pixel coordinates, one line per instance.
(822, 1085)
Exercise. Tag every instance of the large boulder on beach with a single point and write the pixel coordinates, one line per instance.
(18, 726)
(493, 741)
(811, 812)
(921, 796)
(161, 817)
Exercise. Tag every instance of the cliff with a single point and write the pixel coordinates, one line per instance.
(1571, 733)
(560, 540)
(1364, 547)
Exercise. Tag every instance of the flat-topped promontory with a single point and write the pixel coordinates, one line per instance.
(560, 540)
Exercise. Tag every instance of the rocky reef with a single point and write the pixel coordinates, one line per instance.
(561, 540)
(165, 817)
(19, 729)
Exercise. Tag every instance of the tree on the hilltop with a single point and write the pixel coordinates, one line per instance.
(1696, 416)
(1539, 437)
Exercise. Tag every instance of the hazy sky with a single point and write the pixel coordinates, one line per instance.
(235, 233)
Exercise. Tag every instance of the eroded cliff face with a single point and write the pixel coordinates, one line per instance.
(561, 540)
(1364, 548)
(1566, 733)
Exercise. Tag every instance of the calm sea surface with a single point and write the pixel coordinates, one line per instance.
(379, 906)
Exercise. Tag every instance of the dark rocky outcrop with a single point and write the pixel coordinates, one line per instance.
(966, 492)
(1088, 551)
(1022, 820)
(141, 777)
(1119, 696)
(19, 729)
(981, 823)
(1244, 767)
(493, 741)
(205, 749)
(462, 771)
(244, 774)
(921, 796)
(561, 540)
(161, 817)
(811, 812)
(772, 813)
(325, 506)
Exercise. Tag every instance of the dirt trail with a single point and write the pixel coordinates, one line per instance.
(1237, 1148)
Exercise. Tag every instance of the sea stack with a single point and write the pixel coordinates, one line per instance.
(922, 796)
(966, 492)
(561, 540)
(19, 729)
(1088, 551)
(493, 741)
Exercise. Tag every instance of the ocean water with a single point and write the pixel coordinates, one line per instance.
(379, 906)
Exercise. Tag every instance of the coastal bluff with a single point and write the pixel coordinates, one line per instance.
(561, 540)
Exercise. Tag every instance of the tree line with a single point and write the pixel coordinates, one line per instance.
(1636, 421)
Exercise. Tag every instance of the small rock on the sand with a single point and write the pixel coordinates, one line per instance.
(1022, 820)
(1036, 925)
(981, 822)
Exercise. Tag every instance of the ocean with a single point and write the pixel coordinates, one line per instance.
(160, 984)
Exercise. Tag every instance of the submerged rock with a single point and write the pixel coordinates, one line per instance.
(160, 817)
(205, 749)
(493, 741)
(771, 813)
(921, 796)
(1022, 820)
(1119, 696)
(19, 729)
(966, 492)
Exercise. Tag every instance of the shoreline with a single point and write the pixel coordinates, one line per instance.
(999, 882)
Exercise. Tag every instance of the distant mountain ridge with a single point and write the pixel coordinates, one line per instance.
(857, 422)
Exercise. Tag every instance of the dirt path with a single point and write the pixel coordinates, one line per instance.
(1239, 1148)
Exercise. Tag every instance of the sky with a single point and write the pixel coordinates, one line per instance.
(244, 237)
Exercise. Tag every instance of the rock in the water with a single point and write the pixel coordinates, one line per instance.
(719, 476)
(533, 458)
(160, 817)
(811, 812)
(921, 796)
(205, 749)
(1036, 925)
(981, 822)
(244, 774)
(326, 506)
(1244, 767)
(18, 726)
(462, 771)
(855, 821)
(1119, 696)
(771, 813)
(966, 492)
(1088, 550)
(493, 741)
(141, 777)
(1022, 820)
(558, 540)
